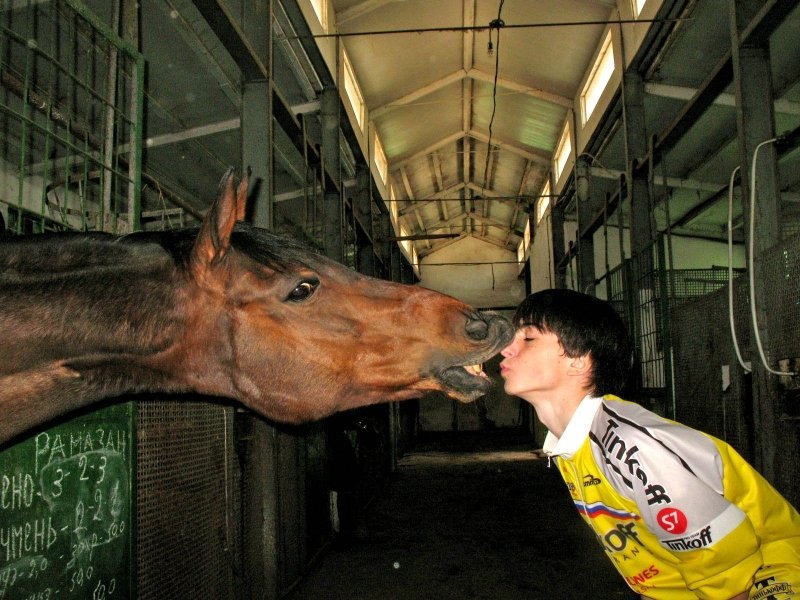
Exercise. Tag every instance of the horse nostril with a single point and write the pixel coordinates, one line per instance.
(477, 328)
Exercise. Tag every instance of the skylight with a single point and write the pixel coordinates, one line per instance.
(637, 5)
(352, 90)
(563, 151)
(601, 73)
(543, 203)
(321, 10)
(379, 158)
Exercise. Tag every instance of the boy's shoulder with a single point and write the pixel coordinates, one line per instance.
(636, 442)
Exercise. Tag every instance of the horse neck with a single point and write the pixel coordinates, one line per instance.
(93, 297)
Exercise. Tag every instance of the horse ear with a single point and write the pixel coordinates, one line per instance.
(214, 239)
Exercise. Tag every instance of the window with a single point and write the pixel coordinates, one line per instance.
(637, 6)
(601, 73)
(543, 203)
(352, 90)
(394, 213)
(563, 151)
(321, 10)
(524, 243)
(379, 158)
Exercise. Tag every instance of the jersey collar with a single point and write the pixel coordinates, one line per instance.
(576, 432)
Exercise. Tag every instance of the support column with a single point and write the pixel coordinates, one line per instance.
(586, 212)
(755, 124)
(256, 112)
(385, 248)
(362, 207)
(257, 440)
(557, 233)
(257, 145)
(642, 231)
(333, 239)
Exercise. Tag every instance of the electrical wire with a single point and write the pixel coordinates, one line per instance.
(751, 263)
(497, 23)
(460, 29)
(744, 365)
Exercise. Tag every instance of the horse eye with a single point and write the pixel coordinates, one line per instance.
(303, 291)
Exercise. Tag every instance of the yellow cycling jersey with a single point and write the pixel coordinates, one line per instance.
(679, 512)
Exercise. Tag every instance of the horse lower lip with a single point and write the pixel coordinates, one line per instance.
(464, 383)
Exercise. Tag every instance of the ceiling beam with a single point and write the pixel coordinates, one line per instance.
(359, 9)
(476, 75)
(228, 29)
(786, 107)
(446, 141)
(201, 39)
(468, 39)
(520, 88)
(535, 156)
(432, 199)
(434, 86)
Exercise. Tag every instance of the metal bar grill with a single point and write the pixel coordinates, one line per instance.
(187, 501)
(64, 76)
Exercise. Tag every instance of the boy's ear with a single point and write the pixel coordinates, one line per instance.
(580, 365)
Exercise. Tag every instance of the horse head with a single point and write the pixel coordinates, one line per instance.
(302, 336)
(230, 310)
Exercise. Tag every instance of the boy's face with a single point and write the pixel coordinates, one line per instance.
(534, 362)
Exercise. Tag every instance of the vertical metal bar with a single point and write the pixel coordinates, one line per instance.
(110, 220)
(666, 290)
(135, 160)
(26, 111)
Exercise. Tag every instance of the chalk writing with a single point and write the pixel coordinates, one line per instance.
(65, 510)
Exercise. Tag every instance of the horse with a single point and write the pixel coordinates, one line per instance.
(227, 310)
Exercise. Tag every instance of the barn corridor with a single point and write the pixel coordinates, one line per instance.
(466, 517)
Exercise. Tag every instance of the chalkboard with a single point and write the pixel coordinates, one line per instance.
(66, 504)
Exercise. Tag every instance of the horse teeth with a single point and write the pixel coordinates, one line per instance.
(475, 370)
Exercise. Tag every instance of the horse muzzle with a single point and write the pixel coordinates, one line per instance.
(490, 333)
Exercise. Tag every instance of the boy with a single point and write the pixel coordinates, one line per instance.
(679, 512)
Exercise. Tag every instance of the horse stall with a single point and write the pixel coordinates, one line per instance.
(718, 394)
(71, 96)
(677, 315)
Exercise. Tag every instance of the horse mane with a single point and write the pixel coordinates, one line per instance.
(63, 253)
(276, 252)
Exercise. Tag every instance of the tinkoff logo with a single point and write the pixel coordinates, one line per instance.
(691, 542)
(769, 590)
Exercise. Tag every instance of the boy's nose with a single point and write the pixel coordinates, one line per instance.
(509, 350)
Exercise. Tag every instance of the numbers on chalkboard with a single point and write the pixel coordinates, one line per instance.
(38, 564)
(102, 469)
(98, 505)
(102, 591)
(58, 487)
(65, 511)
(83, 462)
(79, 514)
(79, 577)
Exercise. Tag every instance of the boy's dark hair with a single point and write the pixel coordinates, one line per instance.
(584, 325)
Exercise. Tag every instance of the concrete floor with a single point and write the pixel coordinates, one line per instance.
(467, 517)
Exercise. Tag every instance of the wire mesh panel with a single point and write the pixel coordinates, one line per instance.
(188, 499)
(70, 120)
(644, 294)
(779, 267)
(712, 391)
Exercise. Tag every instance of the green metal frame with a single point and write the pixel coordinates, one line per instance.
(47, 67)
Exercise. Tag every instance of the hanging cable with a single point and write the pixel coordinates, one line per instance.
(495, 24)
(744, 365)
(751, 263)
